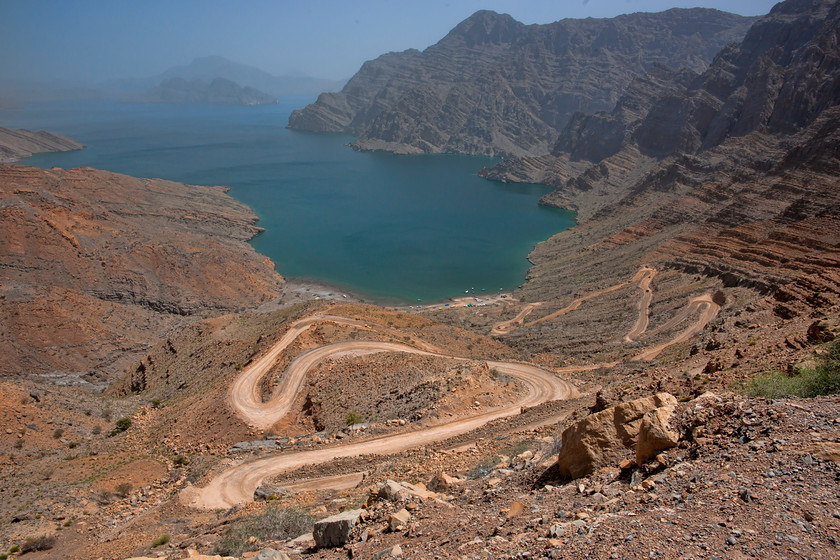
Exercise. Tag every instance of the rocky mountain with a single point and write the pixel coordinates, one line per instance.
(208, 68)
(731, 174)
(96, 265)
(218, 92)
(20, 144)
(495, 86)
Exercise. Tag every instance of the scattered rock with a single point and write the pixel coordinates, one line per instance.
(335, 530)
(399, 520)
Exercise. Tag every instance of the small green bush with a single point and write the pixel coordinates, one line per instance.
(15, 548)
(180, 460)
(160, 541)
(823, 379)
(274, 523)
(123, 489)
(3, 556)
(122, 425)
(352, 418)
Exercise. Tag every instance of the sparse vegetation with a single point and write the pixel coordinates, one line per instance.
(122, 425)
(274, 523)
(160, 541)
(14, 548)
(123, 489)
(180, 460)
(822, 379)
(352, 418)
(156, 403)
(58, 433)
(34, 544)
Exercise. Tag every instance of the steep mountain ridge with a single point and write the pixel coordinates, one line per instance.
(494, 86)
(709, 178)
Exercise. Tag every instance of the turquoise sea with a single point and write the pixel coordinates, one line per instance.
(391, 229)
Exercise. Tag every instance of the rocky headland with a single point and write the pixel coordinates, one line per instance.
(97, 265)
(494, 86)
(20, 144)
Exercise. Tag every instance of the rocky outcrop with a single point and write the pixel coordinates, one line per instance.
(335, 530)
(731, 174)
(494, 86)
(218, 92)
(95, 265)
(605, 438)
(20, 144)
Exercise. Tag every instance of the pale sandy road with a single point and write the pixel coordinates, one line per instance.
(710, 311)
(506, 326)
(644, 274)
(237, 484)
(644, 308)
(244, 393)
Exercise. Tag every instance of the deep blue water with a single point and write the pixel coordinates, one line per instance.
(388, 228)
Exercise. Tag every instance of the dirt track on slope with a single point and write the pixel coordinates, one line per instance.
(237, 484)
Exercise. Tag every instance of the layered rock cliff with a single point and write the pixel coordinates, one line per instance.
(95, 265)
(20, 144)
(494, 86)
(731, 174)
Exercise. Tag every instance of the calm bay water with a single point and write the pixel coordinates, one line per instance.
(392, 229)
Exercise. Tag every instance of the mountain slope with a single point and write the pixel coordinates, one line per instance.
(731, 175)
(495, 86)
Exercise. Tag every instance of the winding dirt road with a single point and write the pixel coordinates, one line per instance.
(237, 484)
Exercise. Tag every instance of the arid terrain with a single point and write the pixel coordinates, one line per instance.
(168, 395)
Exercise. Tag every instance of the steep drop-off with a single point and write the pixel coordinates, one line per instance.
(494, 86)
(95, 265)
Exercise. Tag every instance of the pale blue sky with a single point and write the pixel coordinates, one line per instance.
(91, 40)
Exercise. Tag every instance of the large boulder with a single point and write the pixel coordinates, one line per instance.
(656, 434)
(606, 437)
(335, 530)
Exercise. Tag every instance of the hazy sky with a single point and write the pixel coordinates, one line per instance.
(91, 40)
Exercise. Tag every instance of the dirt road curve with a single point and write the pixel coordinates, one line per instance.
(237, 484)
(643, 276)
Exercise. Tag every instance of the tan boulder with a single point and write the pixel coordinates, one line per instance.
(655, 434)
(606, 437)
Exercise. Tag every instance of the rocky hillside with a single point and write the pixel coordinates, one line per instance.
(731, 174)
(96, 265)
(19, 144)
(218, 92)
(494, 86)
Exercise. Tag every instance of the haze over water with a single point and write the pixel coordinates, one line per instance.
(392, 229)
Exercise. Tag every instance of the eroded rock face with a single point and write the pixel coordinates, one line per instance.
(494, 86)
(656, 433)
(606, 437)
(96, 265)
